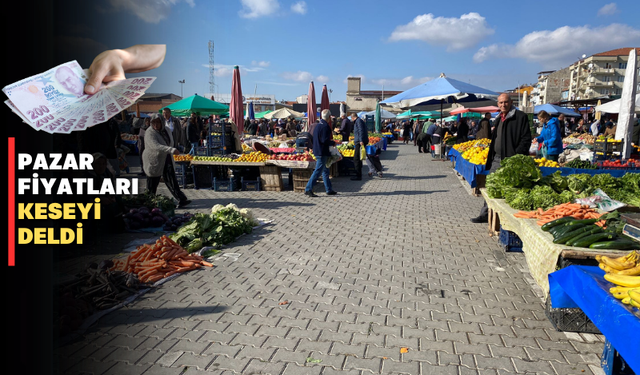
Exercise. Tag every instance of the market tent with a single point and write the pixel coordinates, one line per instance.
(626, 117)
(614, 106)
(555, 110)
(439, 91)
(384, 114)
(197, 104)
(311, 105)
(262, 114)
(236, 112)
(284, 113)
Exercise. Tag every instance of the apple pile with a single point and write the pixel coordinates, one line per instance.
(295, 157)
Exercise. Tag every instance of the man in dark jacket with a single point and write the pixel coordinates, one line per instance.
(193, 133)
(173, 124)
(322, 141)
(512, 136)
(360, 138)
(345, 128)
(484, 127)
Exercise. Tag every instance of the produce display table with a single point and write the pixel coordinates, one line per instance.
(585, 287)
(537, 245)
(569, 171)
(229, 163)
(468, 170)
(381, 145)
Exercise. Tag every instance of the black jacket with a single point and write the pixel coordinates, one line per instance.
(516, 136)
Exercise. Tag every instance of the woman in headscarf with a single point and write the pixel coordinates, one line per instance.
(158, 161)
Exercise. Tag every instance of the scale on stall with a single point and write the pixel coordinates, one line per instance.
(632, 228)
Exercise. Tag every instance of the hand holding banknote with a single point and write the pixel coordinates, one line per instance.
(57, 101)
(111, 65)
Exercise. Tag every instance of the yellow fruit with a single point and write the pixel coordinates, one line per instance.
(623, 280)
(615, 264)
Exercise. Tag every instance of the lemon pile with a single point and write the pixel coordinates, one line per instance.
(544, 162)
(253, 157)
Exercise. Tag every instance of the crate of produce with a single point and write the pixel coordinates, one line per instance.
(200, 151)
(226, 184)
(250, 185)
(607, 146)
(569, 319)
(510, 241)
(612, 363)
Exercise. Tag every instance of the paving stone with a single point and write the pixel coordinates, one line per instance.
(354, 300)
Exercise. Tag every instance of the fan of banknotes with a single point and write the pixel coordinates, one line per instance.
(55, 102)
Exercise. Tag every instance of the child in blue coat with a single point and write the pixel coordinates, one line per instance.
(550, 137)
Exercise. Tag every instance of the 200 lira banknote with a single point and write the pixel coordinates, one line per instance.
(55, 102)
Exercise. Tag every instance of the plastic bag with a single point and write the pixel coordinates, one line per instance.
(363, 152)
(601, 200)
(335, 156)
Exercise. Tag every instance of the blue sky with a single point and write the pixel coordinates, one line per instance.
(281, 45)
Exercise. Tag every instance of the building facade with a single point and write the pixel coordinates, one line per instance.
(358, 100)
(552, 87)
(599, 75)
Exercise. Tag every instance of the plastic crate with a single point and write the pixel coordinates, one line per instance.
(223, 184)
(510, 241)
(612, 363)
(202, 177)
(569, 319)
(250, 185)
(200, 151)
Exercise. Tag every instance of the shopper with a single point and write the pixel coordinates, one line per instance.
(360, 138)
(512, 136)
(550, 137)
(322, 141)
(158, 161)
(484, 127)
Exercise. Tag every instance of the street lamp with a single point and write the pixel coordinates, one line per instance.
(181, 85)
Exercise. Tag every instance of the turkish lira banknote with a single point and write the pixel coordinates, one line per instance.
(55, 102)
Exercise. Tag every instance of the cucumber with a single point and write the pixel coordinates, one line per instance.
(567, 230)
(598, 237)
(556, 222)
(566, 236)
(558, 228)
(572, 241)
(617, 244)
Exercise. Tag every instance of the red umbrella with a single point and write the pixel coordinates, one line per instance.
(324, 104)
(236, 112)
(311, 105)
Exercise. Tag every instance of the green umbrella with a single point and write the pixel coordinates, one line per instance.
(378, 126)
(197, 104)
(261, 114)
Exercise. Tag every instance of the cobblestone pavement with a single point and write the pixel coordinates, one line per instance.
(388, 277)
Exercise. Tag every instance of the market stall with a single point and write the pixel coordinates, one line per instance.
(586, 288)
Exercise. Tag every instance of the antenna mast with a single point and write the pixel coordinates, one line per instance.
(212, 79)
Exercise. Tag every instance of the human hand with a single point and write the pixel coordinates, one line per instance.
(111, 65)
(176, 152)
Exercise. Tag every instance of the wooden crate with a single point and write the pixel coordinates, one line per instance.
(300, 179)
(271, 178)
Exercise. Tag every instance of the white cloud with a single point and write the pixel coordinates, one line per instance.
(224, 70)
(322, 78)
(258, 8)
(298, 76)
(455, 33)
(399, 83)
(151, 11)
(300, 7)
(261, 64)
(608, 10)
(562, 46)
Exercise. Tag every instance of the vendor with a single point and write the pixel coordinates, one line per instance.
(550, 136)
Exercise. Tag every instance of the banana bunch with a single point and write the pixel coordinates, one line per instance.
(624, 272)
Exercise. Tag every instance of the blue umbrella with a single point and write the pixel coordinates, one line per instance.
(438, 91)
(555, 110)
(250, 113)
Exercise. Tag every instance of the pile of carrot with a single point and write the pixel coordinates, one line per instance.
(162, 259)
(575, 210)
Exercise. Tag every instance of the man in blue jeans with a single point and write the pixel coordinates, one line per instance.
(322, 140)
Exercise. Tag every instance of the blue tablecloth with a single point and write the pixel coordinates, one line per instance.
(586, 288)
(468, 170)
(568, 171)
(381, 145)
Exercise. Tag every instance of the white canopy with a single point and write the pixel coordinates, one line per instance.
(384, 114)
(614, 106)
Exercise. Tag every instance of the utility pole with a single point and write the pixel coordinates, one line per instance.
(181, 86)
(212, 77)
